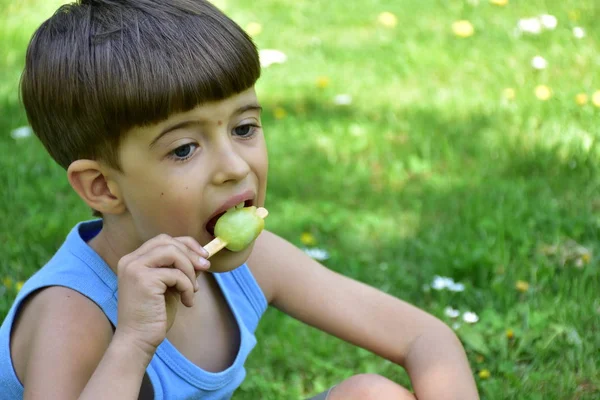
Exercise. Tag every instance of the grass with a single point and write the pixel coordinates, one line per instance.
(430, 171)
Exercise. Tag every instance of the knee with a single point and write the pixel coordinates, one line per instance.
(369, 387)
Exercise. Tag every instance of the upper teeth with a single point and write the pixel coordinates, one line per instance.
(241, 205)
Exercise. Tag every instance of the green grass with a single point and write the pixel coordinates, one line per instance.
(429, 171)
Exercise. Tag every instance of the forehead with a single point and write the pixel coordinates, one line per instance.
(210, 112)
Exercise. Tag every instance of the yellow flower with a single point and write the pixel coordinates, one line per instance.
(510, 334)
(581, 99)
(463, 28)
(586, 257)
(308, 239)
(543, 92)
(509, 93)
(596, 98)
(484, 374)
(254, 28)
(500, 3)
(387, 19)
(522, 286)
(7, 282)
(574, 15)
(19, 285)
(322, 82)
(279, 113)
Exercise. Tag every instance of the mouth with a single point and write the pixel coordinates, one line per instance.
(243, 200)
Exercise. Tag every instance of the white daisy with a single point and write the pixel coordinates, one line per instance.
(529, 25)
(342, 99)
(539, 62)
(456, 287)
(22, 132)
(548, 21)
(470, 317)
(317, 254)
(269, 57)
(441, 282)
(578, 32)
(451, 312)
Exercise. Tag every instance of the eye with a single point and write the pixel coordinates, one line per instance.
(246, 131)
(184, 152)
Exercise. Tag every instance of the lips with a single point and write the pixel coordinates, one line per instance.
(246, 197)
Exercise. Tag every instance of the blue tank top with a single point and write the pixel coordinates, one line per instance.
(77, 266)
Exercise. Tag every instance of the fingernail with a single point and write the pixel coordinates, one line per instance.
(204, 263)
(204, 252)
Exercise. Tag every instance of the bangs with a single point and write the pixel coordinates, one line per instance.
(151, 74)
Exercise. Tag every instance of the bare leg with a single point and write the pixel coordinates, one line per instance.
(369, 387)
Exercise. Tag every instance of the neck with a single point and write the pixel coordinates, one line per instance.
(114, 241)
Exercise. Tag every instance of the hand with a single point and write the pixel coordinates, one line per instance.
(152, 281)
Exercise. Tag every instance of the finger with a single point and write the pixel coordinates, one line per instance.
(170, 255)
(197, 252)
(193, 245)
(200, 263)
(176, 279)
(148, 245)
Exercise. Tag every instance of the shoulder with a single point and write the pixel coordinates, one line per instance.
(278, 264)
(58, 326)
(268, 255)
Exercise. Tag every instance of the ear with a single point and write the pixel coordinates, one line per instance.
(89, 180)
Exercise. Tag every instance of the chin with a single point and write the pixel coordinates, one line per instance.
(227, 260)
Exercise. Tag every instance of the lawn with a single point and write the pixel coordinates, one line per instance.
(456, 154)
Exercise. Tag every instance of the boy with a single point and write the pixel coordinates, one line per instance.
(150, 107)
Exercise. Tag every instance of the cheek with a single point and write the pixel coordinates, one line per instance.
(176, 201)
(260, 160)
(261, 166)
(163, 202)
(173, 214)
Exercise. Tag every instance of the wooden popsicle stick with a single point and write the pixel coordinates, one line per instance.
(262, 212)
(215, 246)
(218, 244)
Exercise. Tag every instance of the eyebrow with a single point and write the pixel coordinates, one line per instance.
(182, 124)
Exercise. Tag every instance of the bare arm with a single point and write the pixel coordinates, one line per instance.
(123, 365)
(437, 356)
(366, 317)
(68, 341)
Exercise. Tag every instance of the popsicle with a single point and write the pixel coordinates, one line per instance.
(237, 228)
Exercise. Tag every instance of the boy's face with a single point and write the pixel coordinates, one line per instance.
(178, 173)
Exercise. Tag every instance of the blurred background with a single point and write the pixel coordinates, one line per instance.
(445, 152)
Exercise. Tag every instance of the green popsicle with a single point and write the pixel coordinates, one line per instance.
(237, 228)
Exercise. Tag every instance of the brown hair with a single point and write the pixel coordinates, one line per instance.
(98, 68)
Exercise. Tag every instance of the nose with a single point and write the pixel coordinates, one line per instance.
(229, 164)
